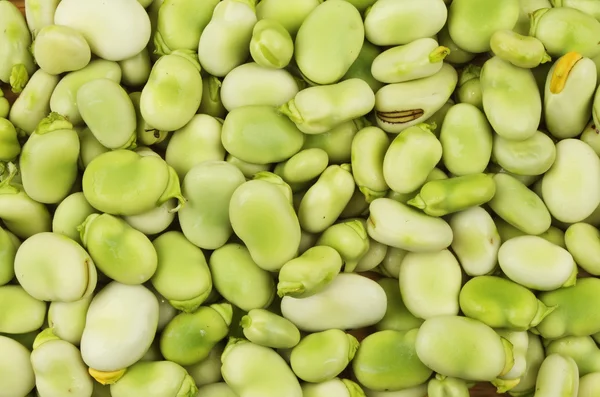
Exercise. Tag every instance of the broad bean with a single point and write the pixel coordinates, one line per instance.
(402, 105)
(387, 361)
(350, 301)
(321, 356)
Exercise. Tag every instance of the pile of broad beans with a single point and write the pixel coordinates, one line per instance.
(392, 198)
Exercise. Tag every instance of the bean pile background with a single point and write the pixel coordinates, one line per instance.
(480, 390)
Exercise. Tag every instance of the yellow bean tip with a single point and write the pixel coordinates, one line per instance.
(106, 377)
(562, 69)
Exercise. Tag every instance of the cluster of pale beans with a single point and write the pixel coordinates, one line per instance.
(381, 198)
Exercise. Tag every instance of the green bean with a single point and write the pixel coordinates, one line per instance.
(252, 84)
(582, 349)
(469, 86)
(402, 370)
(582, 241)
(520, 50)
(208, 370)
(476, 241)
(533, 360)
(309, 273)
(332, 34)
(251, 203)
(322, 356)
(9, 244)
(11, 147)
(443, 386)
(58, 367)
(218, 389)
(510, 93)
(520, 342)
(58, 49)
(519, 206)
(224, 43)
(273, 378)
(536, 263)
(368, 152)
(589, 385)
(574, 315)
(572, 203)
(501, 303)
(70, 213)
(22, 312)
(430, 283)
(441, 345)
(386, 220)
(373, 257)
(389, 22)
(569, 92)
(343, 102)
(402, 105)
(64, 97)
(49, 173)
(445, 196)
(189, 337)
(126, 20)
(239, 279)
(121, 252)
(120, 325)
(403, 170)
(326, 199)
(21, 214)
(335, 387)
(268, 329)
(558, 376)
(155, 180)
(260, 135)
(39, 14)
(472, 23)
(271, 44)
(583, 31)
(420, 58)
(72, 269)
(99, 97)
(17, 63)
(350, 301)
(211, 103)
(173, 92)
(182, 275)
(136, 69)
(67, 319)
(200, 136)
(532, 156)
(154, 379)
(180, 24)
(304, 166)
(349, 238)
(16, 372)
(33, 104)
(208, 188)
